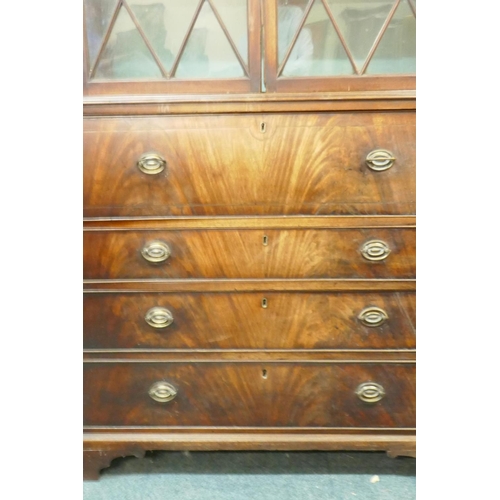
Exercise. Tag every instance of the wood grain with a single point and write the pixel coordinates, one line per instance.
(246, 285)
(101, 448)
(143, 433)
(310, 164)
(221, 254)
(219, 394)
(248, 222)
(95, 106)
(238, 321)
(226, 186)
(306, 98)
(314, 356)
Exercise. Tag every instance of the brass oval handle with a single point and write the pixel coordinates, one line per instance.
(370, 392)
(375, 250)
(159, 317)
(156, 251)
(163, 392)
(373, 316)
(151, 163)
(380, 160)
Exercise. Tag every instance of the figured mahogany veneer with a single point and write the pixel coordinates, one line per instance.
(239, 321)
(265, 201)
(250, 164)
(248, 394)
(310, 253)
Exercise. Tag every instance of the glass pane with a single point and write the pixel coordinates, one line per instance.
(235, 18)
(360, 23)
(318, 50)
(126, 55)
(289, 17)
(98, 15)
(165, 24)
(208, 53)
(396, 52)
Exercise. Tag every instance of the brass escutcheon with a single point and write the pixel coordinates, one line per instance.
(370, 392)
(159, 317)
(163, 392)
(151, 163)
(380, 160)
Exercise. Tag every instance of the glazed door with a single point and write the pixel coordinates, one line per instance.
(171, 46)
(339, 45)
(214, 46)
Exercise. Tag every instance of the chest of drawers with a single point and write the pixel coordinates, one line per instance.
(249, 256)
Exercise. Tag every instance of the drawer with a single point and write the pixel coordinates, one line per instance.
(290, 320)
(301, 253)
(276, 164)
(246, 394)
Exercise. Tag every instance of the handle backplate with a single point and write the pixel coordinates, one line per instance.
(380, 160)
(156, 251)
(370, 392)
(373, 316)
(151, 163)
(375, 250)
(163, 392)
(159, 317)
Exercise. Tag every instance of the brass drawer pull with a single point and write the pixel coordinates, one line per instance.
(370, 392)
(163, 392)
(380, 160)
(373, 316)
(156, 251)
(375, 250)
(151, 163)
(159, 317)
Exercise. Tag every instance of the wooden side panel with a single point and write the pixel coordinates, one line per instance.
(309, 164)
(238, 321)
(248, 394)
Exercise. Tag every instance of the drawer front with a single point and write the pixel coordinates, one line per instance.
(322, 253)
(261, 164)
(249, 394)
(249, 320)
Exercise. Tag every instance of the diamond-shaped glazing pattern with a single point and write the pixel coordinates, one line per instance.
(396, 52)
(165, 24)
(318, 50)
(98, 14)
(289, 19)
(209, 38)
(235, 18)
(126, 55)
(338, 37)
(208, 53)
(359, 24)
(155, 41)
